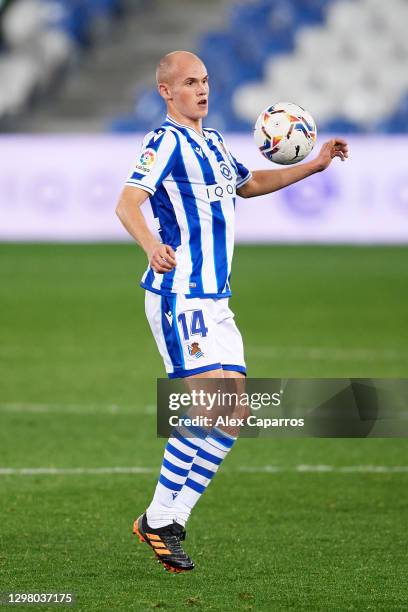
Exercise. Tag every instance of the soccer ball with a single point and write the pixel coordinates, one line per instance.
(285, 133)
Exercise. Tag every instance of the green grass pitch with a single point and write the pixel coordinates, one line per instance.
(77, 382)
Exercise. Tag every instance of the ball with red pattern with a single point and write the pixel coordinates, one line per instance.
(285, 133)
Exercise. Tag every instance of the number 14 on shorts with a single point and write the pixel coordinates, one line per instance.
(192, 324)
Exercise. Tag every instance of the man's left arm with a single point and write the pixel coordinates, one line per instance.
(267, 181)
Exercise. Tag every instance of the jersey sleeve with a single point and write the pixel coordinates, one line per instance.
(155, 162)
(243, 174)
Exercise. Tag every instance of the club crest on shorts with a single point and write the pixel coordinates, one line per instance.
(195, 351)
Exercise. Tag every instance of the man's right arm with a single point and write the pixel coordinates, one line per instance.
(162, 257)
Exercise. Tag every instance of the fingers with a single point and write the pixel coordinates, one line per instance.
(160, 267)
(340, 154)
(160, 264)
(170, 255)
(336, 147)
(340, 146)
(163, 259)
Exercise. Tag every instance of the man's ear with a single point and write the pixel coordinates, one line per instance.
(164, 91)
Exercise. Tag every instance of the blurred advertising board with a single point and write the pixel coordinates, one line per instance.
(65, 188)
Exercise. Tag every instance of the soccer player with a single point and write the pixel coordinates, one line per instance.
(192, 180)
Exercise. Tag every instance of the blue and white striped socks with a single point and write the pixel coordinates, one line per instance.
(188, 466)
(179, 455)
(208, 459)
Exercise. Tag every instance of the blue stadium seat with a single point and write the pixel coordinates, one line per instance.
(213, 46)
(312, 11)
(256, 31)
(253, 49)
(397, 122)
(340, 125)
(402, 107)
(240, 60)
(242, 14)
(73, 18)
(149, 105)
(104, 8)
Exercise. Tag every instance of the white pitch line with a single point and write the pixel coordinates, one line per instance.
(74, 471)
(263, 469)
(81, 409)
(342, 469)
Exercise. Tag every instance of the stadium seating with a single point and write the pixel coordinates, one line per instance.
(40, 40)
(349, 69)
(344, 60)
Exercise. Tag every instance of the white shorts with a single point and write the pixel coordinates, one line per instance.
(194, 335)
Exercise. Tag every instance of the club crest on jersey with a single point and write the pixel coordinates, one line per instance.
(195, 351)
(146, 161)
(225, 171)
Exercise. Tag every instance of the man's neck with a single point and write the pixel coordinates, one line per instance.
(196, 124)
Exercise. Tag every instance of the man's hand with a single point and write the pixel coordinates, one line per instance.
(268, 181)
(162, 258)
(336, 147)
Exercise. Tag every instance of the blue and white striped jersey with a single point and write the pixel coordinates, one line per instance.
(192, 181)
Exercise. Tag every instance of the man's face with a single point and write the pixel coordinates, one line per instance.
(188, 88)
